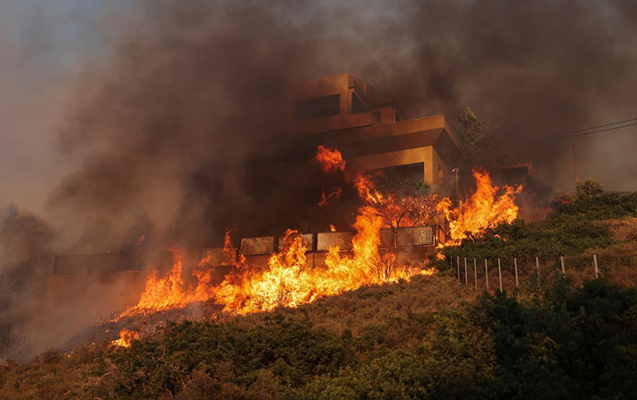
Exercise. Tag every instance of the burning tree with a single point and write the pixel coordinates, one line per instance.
(401, 202)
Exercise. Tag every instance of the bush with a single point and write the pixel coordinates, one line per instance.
(292, 351)
(589, 188)
(574, 344)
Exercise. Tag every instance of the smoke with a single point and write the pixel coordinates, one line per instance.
(193, 86)
(25, 252)
(534, 69)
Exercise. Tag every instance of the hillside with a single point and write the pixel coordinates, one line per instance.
(430, 338)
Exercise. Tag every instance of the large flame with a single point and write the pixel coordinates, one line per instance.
(483, 210)
(288, 280)
(163, 293)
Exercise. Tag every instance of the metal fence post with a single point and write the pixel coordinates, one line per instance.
(458, 266)
(466, 277)
(515, 268)
(475, 273)
(500, 274)
(486, 274)
(595, 264)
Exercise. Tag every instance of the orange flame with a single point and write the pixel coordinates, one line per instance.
(163, 293)
(331, 160)
(126, 337)
(288, 280)
(366, 190)
(483, 210)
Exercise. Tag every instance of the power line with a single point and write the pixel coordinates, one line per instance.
(589, 128)
(576, 132)
(581, 133)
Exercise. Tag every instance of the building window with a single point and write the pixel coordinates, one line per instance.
(357, 104)
(440, 171)
(409, 172)
(318, 107)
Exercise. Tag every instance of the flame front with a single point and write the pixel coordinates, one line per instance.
(163, 293)
(288, 280)
(483, 210)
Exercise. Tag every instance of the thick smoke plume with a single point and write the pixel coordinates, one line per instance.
(197, 85)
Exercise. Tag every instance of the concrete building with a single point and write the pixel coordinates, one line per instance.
(372, 132)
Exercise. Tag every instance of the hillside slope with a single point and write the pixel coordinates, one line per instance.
(430, 338)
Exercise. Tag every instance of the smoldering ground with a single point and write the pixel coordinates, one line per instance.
(195, 87)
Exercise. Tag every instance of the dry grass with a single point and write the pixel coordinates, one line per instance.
(375, 306)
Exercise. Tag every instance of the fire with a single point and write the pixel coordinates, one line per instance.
(289, 280)
(331, 160)
(367, 191)
(126, 337)
(163, 293)
(483, 210)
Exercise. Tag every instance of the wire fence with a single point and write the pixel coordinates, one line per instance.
(534, 273)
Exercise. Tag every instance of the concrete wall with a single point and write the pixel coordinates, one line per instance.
(258, 245)
(395, 158)
(308, 241)
(326, 240)
(343, 85)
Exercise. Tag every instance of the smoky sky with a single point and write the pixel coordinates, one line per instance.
(192, 86)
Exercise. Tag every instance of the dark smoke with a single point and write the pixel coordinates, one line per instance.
(197, 84)
(25, 261)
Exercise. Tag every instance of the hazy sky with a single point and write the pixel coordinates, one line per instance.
(44, 46)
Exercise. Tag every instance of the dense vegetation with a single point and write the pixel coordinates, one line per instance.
(568, 343)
